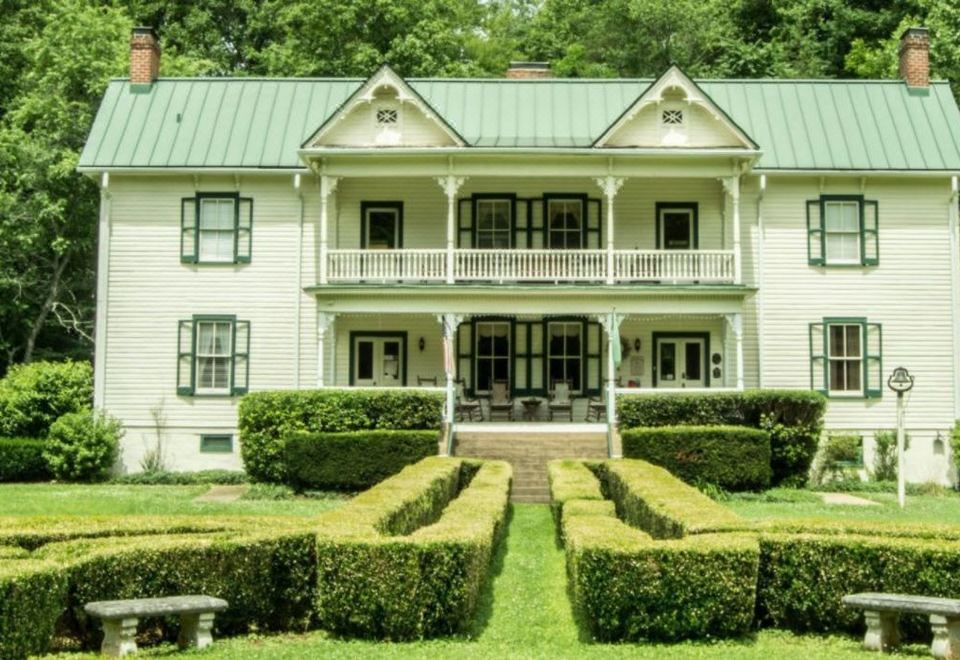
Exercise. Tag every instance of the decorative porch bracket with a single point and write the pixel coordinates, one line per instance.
(325, 321)
(611, 325)
(731, 184)
(610, 185)
(328, 186)
(448, 326)
(450, 185)
(735, 321)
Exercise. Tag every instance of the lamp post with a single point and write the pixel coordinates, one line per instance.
(901, 382)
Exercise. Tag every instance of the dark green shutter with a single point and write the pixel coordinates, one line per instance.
(594, 361)
(185, 361)
(188, 230)
(240, 379)
(465, 355)
(815, 248)
(873, 360)
(818, 357)
(244, 233)
(869, 233)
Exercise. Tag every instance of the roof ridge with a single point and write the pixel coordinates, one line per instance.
(539, 81)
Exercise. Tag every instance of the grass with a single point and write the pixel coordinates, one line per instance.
(787, 503)
(525, 613)
(112, 499)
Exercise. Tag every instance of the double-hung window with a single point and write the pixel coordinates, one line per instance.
(494, 223)
(842, 230)
(216, 228)
(565, 354)
(846, 357)
(213, 356)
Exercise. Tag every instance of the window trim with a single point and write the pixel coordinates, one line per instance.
(400, 335)
(865, 392)
(475, 216)
(693, 207)
(474, 337)
(367, 205)
(862, 358)
(234, 389)
(206, 438)
(583, 357)
(584, 200)
(866, 234)
(197, 202)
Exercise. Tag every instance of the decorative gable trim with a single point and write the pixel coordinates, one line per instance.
(366, 94)
(654, 95)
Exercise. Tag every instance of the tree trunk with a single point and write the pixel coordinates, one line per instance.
(59, 266)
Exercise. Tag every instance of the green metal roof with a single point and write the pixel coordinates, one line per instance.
(261, 123)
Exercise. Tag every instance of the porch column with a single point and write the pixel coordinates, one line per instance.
(324, 323)
(736, 324)
(610, 185)
(732, 185)
(328, 185)
(450, 185)
(448, 325)
(611, 325)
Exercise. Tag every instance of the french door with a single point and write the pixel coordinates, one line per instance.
(382, 225)
(676, 228)
(378, 361)
(681, 362)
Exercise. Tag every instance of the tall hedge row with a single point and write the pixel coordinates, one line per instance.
(21, 459)
(33, 396)
(793, 419)
(734, 458)
(267, 419)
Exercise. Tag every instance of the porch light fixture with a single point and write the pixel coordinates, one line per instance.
(422, 344)
(901, 382)
(636, 344)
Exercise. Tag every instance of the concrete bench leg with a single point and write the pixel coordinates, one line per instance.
(196, 630)
(883, 631)
(119, 637)
(946, 637)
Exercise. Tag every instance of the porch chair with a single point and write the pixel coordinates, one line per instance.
(500, 399)
(560, 400)
(466, 407)
(597, 405)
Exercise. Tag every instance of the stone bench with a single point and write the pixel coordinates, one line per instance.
(882, 613)
(120, 618)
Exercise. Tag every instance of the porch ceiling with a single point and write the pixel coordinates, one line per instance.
(530, 299)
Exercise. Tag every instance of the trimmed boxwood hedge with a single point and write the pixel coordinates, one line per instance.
(733, 458)
(391, 567)
(21, 459)
(793, 418)
(570, 480)
(354, 460)
(266, 419)
(32, 597)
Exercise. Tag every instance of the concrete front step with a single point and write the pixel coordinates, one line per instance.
(528, 453)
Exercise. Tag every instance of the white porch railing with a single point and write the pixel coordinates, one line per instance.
(629, 266)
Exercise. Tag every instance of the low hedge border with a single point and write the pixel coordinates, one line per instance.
(570, 480)
(354, 460)
(650, 498)
(390, 568)
(266, 419)
(734, 458)
(628, 586)
(21, 459)
(33, 596)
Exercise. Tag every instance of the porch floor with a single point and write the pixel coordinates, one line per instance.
(558, 427)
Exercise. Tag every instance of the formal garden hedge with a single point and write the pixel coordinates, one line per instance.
(407, 559)
(733, 458)
(647, 562)
(793, 418)
(21, 459)
(268, 419)
(354, 460)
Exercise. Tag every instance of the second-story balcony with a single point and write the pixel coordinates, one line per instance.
(532, 266)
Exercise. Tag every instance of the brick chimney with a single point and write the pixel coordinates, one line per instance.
(144, 56)
(915, 56)
(527, 70)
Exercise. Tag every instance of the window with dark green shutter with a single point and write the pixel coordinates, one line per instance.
(216, 228)
(843, 230)
(213, 356)
(846, 357)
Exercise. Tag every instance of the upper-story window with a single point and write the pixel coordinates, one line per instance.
(565, 223)
(216, 228)
(842, 230)
(494, 223)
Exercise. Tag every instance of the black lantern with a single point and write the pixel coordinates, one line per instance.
(422, 344)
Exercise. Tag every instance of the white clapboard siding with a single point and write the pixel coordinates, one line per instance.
(701, 129)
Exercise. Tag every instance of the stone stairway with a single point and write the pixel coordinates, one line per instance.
(528, 449)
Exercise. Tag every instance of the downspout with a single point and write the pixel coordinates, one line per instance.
(103, 290)
(761, 352)
(299, 291)
(954, 233)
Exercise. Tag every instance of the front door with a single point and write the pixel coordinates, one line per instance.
(681, 362)
(677, 230)
(382, 225)
(377, 362)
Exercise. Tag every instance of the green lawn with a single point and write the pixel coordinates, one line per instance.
(79, 500)
(526, 614)
(786, 503)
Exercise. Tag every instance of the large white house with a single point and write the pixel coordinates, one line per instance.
(294, 233)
